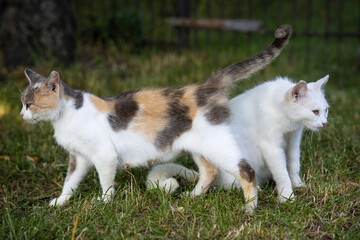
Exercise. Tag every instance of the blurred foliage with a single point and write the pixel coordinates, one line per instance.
(109, 24)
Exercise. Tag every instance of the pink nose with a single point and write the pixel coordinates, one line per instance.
(324, 124)
(21, 114)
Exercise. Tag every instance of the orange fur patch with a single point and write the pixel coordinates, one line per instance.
(210, 169)
(152, 115)
(189, 101)
(102, 105)
(209, 173)
(44, 100)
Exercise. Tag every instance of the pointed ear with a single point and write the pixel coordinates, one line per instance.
(53, 82)
(33, 77)
(320, 84)
(300, 90)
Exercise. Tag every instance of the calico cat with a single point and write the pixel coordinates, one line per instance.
(138, 127)
(267, 122)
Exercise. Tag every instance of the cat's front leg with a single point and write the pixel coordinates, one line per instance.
(107, 170)
(276, 162)
(293, 158)
(77, 170)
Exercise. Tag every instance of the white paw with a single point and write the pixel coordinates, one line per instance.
(170, 185)
(250, 207)
(60, 200)
(290, 198)
(105, 198)
(298, 183)
(249, 210)
(251, 204)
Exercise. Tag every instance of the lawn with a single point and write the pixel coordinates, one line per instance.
(33, 166)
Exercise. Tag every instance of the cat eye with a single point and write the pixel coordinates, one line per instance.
(316, 112)
(28, 105)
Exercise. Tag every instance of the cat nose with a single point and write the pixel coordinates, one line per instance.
(324, 124)
(21, 115)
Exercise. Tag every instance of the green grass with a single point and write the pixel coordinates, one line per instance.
(328, 208)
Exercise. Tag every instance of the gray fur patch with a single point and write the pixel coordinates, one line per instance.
(34, 77)
(218, 114)
(125, 109)
(75, 94)
(203, 93)
(28, 95)
(246, 171)
(179, 120)
(71, 168)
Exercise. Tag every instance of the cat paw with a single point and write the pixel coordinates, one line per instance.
(59, 201)
(250, 207)
(105, 198)
(298, 184)
(283, 199)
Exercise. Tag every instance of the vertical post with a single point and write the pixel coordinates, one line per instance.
(249, 35)
(220, 37)
(194, 10)
(293, 17)
(358, 45)
(237, 14)
(151, 19)
(184, 12)
(208, 36)
(340, 30)
(308, 26)
(326, 35)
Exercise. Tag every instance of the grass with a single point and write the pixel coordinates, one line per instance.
(33, 166)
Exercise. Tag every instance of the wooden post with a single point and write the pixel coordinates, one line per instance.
(183, 33)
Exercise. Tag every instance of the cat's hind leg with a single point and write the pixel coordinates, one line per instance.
(224, 154)
(244, 173)
(207, 175)
(77, 170)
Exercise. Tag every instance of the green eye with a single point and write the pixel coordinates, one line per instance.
(316, 112)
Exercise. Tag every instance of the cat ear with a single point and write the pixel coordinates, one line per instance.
(33, 77)
(321, 82)
(300, 90)
(53, 82)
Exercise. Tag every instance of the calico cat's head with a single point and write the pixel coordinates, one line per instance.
(307, 104)
(41, 99)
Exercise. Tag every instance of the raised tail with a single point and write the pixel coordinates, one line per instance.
(163, 176)
(225, 78)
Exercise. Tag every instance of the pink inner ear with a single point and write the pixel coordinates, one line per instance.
(54, 81)
(300, 90)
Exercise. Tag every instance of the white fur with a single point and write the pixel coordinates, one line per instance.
(163, 175)
(267, 122)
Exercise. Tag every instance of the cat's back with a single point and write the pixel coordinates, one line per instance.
(262, 96)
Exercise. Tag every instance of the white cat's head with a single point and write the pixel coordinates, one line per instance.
(306, 104)
(41, 99)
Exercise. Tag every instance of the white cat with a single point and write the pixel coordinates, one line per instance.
(267, 122)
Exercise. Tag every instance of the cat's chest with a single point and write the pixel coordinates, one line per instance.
(75, 134)
(68, 138)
